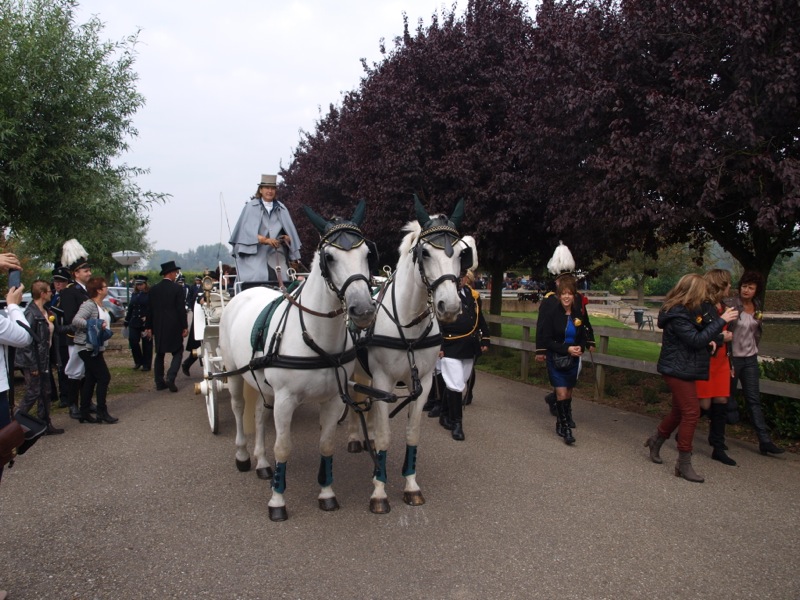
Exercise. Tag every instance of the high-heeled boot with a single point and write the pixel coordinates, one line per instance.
(454, 400)
(683, 468)
(104, 417)
(563, 423)
(570, 422)
(716, 434)
(654, 442)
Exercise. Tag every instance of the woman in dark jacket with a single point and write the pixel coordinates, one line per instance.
(34, 360)
(562, 332)
(690, 328)
(744, 355)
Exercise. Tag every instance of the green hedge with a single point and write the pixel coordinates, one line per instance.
(782, 301)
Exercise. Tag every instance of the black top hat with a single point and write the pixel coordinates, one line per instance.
(169, 267)
(61, 274)
(140, 279)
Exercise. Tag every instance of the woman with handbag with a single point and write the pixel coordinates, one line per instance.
(562, 333)
(92, 330)
(689, 325)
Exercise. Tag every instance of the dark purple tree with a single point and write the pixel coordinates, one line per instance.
(677, 120)
(445, 116)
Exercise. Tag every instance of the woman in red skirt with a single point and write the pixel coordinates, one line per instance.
(714, 393)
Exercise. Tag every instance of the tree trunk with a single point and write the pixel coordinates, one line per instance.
(496, 300)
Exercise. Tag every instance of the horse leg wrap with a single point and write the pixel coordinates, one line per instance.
(325, 475)
(279, 478)
(410, 463)
(380, 469)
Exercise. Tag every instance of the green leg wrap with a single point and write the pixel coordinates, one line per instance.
(325, 475)
(279, 478)
(410, 463)
(380, 470)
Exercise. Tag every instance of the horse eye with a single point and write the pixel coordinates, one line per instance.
(425, 253)
(329, 257)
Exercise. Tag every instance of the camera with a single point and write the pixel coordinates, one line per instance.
(14, 278)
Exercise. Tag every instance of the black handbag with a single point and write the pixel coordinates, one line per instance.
(563, 362)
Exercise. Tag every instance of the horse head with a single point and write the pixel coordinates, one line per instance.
(443, 257)
(346, 259)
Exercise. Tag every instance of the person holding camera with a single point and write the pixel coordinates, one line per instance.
(11, 334)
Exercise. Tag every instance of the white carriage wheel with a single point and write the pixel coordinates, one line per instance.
(209, 367)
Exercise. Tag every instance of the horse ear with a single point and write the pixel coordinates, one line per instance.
(315, 219)
(422, 214)
(359, 212)
(458, 214)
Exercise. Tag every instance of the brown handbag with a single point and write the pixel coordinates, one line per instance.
(11, 437)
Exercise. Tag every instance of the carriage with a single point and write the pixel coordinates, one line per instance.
(289, 331)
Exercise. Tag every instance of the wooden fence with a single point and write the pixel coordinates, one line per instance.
(602, 359)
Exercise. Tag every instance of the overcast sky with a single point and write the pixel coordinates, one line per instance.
(228, 87)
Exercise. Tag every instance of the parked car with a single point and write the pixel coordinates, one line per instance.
(26, 298)
(114, 308)
(121, 294)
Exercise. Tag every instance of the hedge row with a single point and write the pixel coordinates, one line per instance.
(782, 301)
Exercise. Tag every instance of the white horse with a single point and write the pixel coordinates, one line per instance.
(404, 342)
(303, 352)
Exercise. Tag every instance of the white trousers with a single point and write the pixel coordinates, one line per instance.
(455, 372)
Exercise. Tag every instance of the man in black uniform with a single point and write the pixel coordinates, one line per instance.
(75, 256)
(167, 323)
(463, 341)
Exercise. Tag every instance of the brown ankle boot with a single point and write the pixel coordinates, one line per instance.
(683, 468)
(654, 442)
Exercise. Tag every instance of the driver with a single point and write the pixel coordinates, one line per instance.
(264, 237)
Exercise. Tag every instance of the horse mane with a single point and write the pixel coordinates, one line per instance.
(412, 229)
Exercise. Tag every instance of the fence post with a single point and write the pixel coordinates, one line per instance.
(599, 370)
(526, 337)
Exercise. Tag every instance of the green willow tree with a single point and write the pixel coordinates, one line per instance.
(67, 101)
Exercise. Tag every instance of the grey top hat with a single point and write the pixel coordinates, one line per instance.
(268, 181)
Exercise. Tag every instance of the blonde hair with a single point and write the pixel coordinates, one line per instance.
(717, 281)
(470, 277)
(39, 287)
(690, 291)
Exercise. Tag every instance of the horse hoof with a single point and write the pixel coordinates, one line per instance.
(328, 504)
(413, 498)
(278, 513)
(264, 473)
(354, 447)
(379, 506)
(243, 465)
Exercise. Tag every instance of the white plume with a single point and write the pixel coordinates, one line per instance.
(470, 241)
(71, 252)
(561, 261)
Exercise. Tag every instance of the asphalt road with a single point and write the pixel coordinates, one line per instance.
(153, 507)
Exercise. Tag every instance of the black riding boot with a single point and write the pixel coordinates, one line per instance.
(551, 403)
(716, 434)
(470, 386)
(562, 425)
(454, 401)
(73, 397)
(433, 405)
